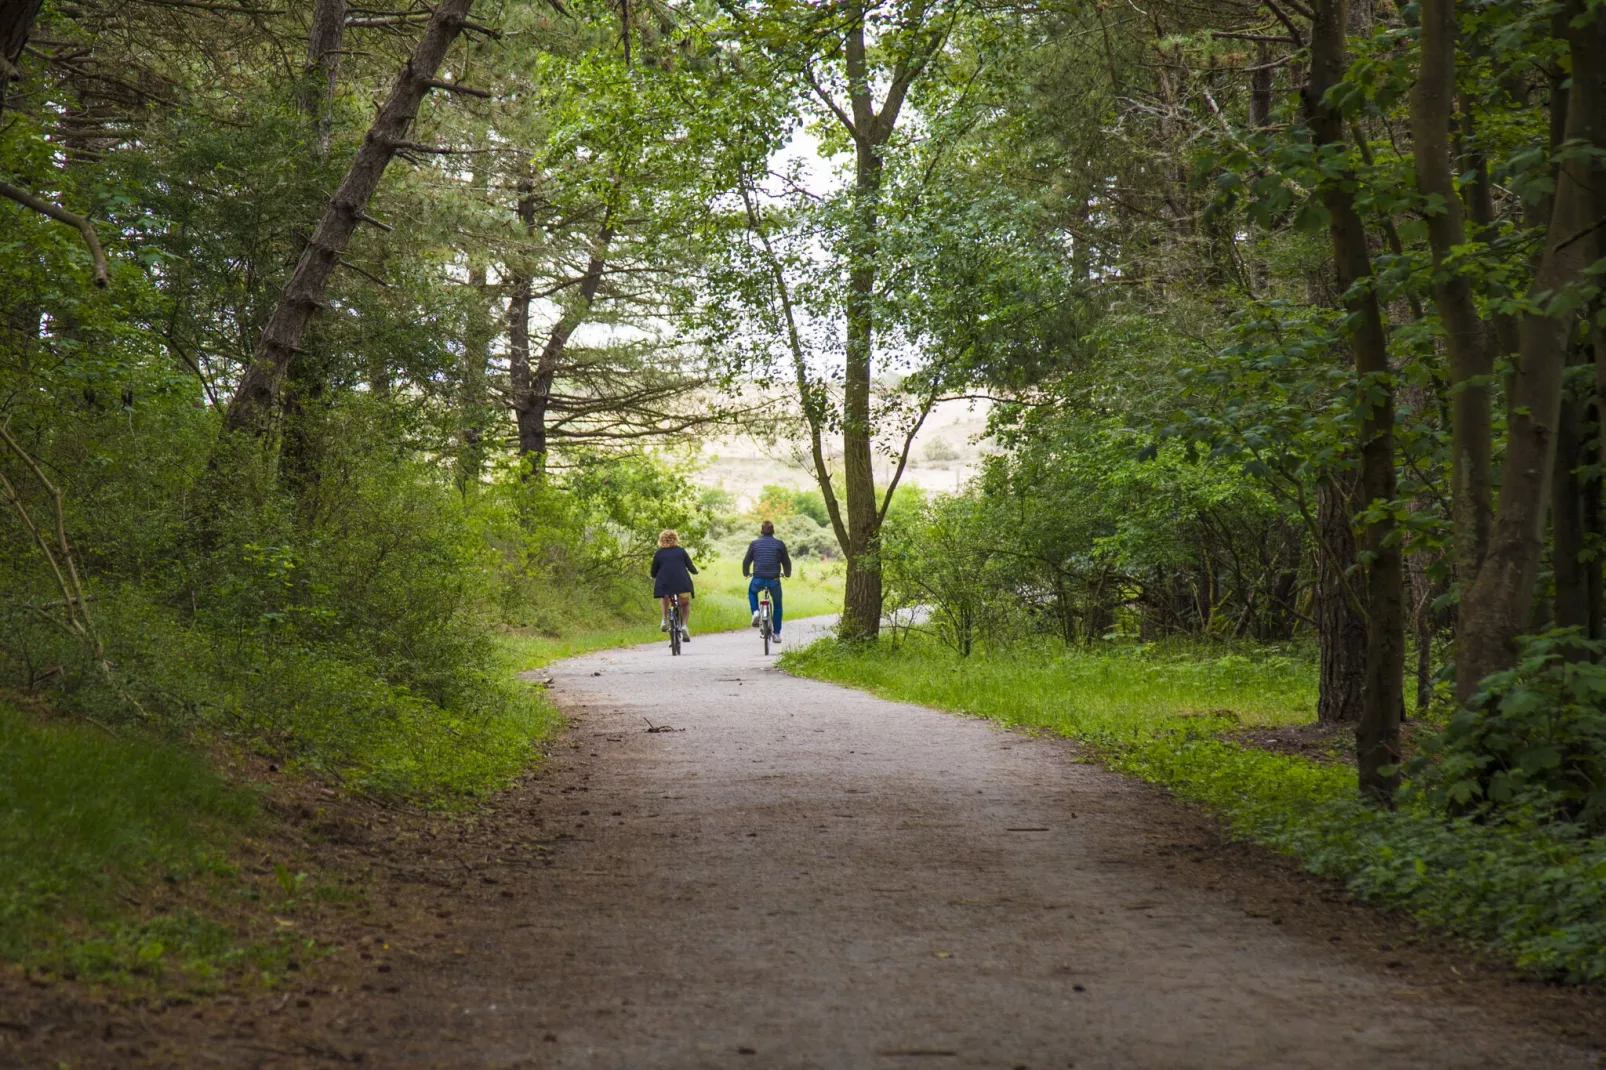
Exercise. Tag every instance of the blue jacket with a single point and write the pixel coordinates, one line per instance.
(767, 558)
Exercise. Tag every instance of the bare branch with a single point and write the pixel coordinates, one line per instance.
(1282, 17)
(433, 150)
(367, 275)
(1236, 36)
(391, 20)
(453, 87)
(829, 101)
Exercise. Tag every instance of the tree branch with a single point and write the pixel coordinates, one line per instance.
(61, 215)
(453, 87)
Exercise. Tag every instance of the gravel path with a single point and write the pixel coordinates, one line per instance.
(801, 875)
(797, 875)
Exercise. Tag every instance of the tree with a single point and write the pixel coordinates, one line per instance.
(1496, 603)
(831, 50)
(1383, 697)
(303, 293)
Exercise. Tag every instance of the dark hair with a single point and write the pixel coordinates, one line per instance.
(766, 528)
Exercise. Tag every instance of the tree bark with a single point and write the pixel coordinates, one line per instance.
(1422, 622)
(1341, 628)
(1260, 83)
(870, 130)
(532, 386)
(16, 22)
(280, 340)
(1567, 524)
(1377, 734)
(1496, 609)
(471, 400)
(1470, 358)
(521, 294)
(323, 63)
(861, 609)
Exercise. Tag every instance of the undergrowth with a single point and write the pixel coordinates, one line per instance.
(86, 818)
(1527, 887)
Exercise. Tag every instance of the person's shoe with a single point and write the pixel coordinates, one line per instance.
(663, 625)
(776, 638)
(755, 620)
(685, 635)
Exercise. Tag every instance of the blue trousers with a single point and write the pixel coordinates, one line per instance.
(773, 586)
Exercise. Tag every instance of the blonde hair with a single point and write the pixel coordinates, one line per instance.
(668, 537)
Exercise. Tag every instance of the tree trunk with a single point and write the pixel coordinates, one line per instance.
(1377, 734)
(323, 63)
(1341, 629)
(303, 294)
(1260, 81)
(1567, 524)
(1496, 608)
(869, 130)
(861, 607)
(471, 399)
(532, 386)
(1466, 341)
(307, 379)
(1422, 621)
(531, 424)
(16, 22)
(861, 610)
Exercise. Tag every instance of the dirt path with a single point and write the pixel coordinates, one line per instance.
(807, 876)
(800, 875)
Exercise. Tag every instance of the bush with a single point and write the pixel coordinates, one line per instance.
(805, 538)
(350, 624)
(1532, 741)
(943, 554)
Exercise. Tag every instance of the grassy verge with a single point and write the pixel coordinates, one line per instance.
(114, 848)
(1533, 891)
(85, 822)
(721, 605)
(1095, 692)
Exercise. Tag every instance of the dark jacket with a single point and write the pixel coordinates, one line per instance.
(671, 572)
(766, 558)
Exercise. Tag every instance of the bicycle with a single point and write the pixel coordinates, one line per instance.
(674, 627)
(764, 627)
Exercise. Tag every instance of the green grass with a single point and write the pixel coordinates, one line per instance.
(1532, 890)
(720, 606)
(1096, 691)
(99, 830)
(87, 818)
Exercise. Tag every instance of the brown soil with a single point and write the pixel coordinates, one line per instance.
(1323, 742)
(800, 875)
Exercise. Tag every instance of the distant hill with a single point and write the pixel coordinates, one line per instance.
(946, 452)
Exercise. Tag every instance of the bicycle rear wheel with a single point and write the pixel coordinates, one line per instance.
(674, 632)
(764, 630)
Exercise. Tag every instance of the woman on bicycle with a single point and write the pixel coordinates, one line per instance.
(672, 571)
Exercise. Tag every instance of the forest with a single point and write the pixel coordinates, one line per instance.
(352, 359)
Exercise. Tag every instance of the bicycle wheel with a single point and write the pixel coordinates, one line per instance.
(764, 630)
(674, 632)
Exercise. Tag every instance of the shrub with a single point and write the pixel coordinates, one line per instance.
(1532, 741)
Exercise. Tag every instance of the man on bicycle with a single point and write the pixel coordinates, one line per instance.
(766, 561)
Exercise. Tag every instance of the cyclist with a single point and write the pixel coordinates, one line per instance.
(672, 571)
(766, 561)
